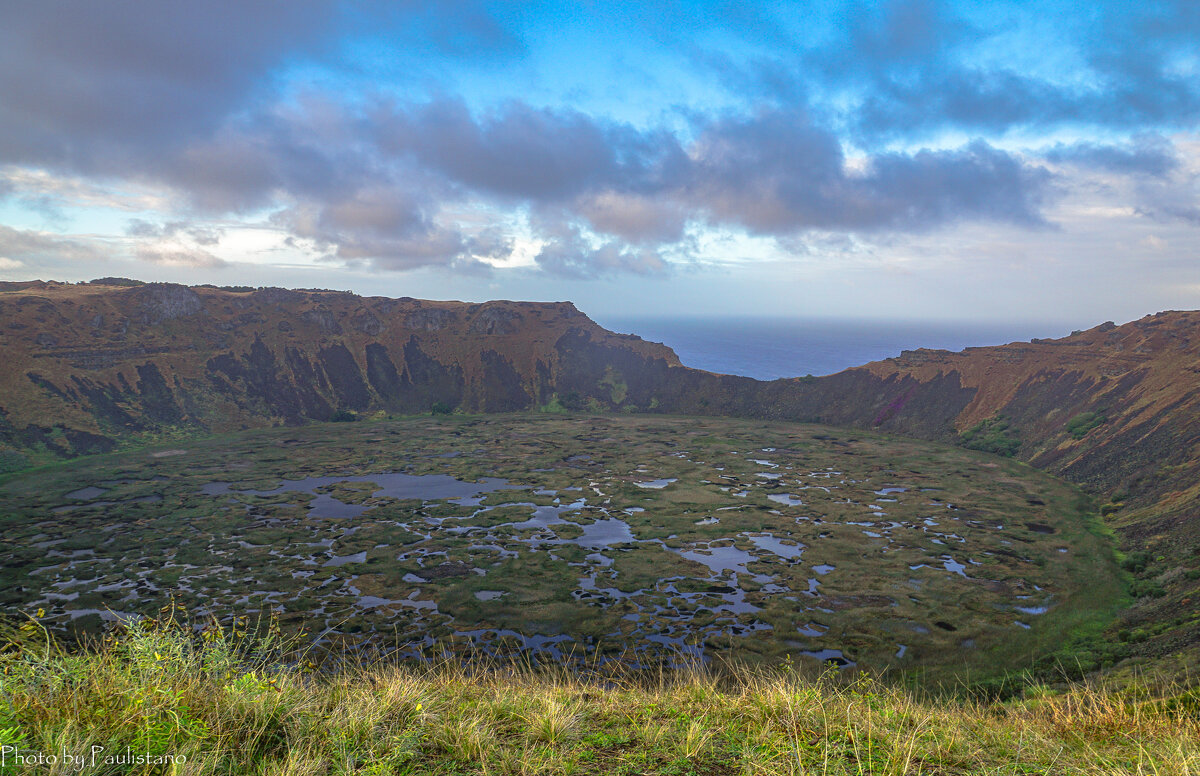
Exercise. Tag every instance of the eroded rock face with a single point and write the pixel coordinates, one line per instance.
(323, 320)
(429, 319)
(278, 296)
(366, 322)
(161, 302)
(495, 320)
(271, 356)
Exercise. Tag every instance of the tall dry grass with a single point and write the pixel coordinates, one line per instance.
(225, 701)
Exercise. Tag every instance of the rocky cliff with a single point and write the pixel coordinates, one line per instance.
(1115, 408)
(88, 366)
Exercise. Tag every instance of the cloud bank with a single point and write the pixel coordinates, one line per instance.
(873, 120)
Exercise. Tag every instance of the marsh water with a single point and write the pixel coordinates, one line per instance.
(639, 541)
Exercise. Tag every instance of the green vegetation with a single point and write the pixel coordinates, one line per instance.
(993, 435)
(113, 281)
(343, 416)
(640, 535)
(221, 701)
(11, 461)
(1081, 424)
(615, 383)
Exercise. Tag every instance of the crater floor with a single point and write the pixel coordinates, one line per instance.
(633, 538)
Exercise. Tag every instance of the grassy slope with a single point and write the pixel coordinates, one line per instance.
(228, 704)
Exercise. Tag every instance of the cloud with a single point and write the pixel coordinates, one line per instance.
(1126, 76)
(635, 218)
(777, 174)
(911, 70)
(181, 101)
(1145, 155)
(389, 227)
(567, 253)
(201, 235)
(380, 184)
(79, 82)
(523, 151)
(34, 246)
(98, 88)
(176, 255)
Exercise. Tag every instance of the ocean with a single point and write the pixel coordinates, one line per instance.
(770, 348)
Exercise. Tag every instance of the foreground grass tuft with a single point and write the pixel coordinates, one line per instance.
(222, 701)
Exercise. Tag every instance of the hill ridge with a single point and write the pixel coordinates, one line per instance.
(90, 367)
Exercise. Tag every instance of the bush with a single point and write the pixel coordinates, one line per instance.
(1081, 424)
(111, 281)
(344, 416)
(1136, 562)
(441, 408)
(1146, 588)
(571, 400)
(992, 436)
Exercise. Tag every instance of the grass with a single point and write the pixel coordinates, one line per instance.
(888, 514)
(224, 701)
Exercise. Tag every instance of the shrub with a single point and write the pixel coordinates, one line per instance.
(344, 416)
(1136, 562)
(111, 281)
(441, 408)
(1146, 588)
(993, 435)
(1081, 424)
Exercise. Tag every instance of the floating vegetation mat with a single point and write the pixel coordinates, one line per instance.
(640, 539)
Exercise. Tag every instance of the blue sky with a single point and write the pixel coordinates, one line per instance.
(911, 159)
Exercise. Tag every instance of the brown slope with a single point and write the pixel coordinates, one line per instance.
(89, 365)
(1142, 378)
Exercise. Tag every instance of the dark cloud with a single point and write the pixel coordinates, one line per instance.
(776, 174)
(80, 78)
(1170, 198)
(1146, 155)
(633, 217)
(99, 86)
(909, 69)
(389, 228)
(1130, 81)
(526, 152)
(901, 32)
(998, 101)
(179, 96)
(380, 184)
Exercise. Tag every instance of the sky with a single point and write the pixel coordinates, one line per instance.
(906, 160)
